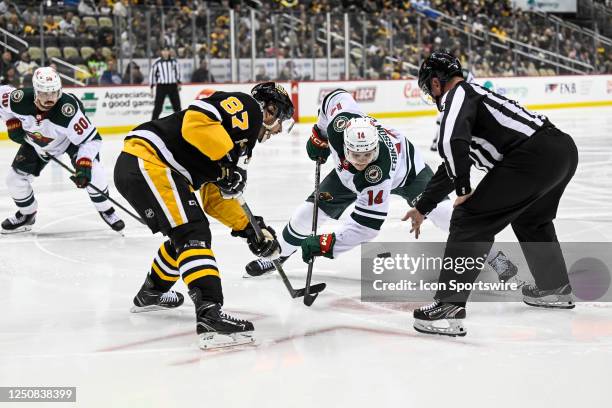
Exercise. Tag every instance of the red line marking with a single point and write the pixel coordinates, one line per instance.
(222, 352)
(256, 316)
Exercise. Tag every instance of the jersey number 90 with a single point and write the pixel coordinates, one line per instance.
(233, 106)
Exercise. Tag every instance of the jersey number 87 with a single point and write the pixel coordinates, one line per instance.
(233, 106)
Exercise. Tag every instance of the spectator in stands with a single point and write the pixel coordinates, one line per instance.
(29, 14)
(96, 64)
(106, 38)
(66, 25)
(82, 31)
(31, 25)
(289, 71)
(11, 78)
(50, 26)
(132, 74)
(13, 24)
(4, 6)
(110, 76)
(25, 68)
(87, 8)
(104, 7)
(202, 74)
(120, 8)
(6, 62)
(261, 74)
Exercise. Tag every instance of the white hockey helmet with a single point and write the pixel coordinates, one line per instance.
(360, 141)
(47, 86)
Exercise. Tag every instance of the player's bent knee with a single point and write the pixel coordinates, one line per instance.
(16, 179)
(192, 231)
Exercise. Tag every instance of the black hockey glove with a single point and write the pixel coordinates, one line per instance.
(82, 172)
(268, 247)
(15, 131)
(317, 146)
(232, 182)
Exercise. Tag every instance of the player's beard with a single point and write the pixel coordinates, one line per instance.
(44, 107)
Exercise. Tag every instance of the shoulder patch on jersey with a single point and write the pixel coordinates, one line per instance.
(17, 96)
(340, 123)
(68, 109)
(373, 174)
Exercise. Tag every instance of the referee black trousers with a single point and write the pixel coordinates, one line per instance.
(161, 91)
(523, 190)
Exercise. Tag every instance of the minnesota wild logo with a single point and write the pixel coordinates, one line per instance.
(68, 109)
(340, 123)
(39, 139)
(17, 95)
(373, 174)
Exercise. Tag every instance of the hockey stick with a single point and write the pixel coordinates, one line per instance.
(260, 236)
(308, 297)
(97, 190)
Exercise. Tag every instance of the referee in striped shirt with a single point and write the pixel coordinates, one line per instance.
(528, 161)
(165, 76)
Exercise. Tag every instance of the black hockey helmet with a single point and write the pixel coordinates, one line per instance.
(270, 93)
(440, 64)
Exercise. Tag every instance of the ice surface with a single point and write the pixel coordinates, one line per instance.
(66, 289)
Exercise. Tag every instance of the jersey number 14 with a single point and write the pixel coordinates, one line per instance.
(375, 199)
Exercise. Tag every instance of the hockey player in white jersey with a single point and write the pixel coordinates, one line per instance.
(47, 122)
(372, 162)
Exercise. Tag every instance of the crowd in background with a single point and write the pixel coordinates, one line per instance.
(388, 38)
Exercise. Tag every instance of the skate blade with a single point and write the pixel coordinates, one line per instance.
(210, 341)
(263, 275)
(25, 228)
(150, 308)
(443, 327)
(551, 302)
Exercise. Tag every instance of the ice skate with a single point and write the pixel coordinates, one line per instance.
(148, 299)
(261, 266)
(560, 298)
(18, 223)
(112, 219)
(440, 318)
(217, 329)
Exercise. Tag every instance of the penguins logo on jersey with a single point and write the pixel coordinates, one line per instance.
(68, 109)
(149, 213)
(340, 123)
(373, 174)
(17, 96)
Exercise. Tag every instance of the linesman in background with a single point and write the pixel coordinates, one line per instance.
(165, 76)
(528, 161)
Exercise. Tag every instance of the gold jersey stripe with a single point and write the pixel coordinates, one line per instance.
(194, 252)
(204, 272)
(171, 261)
(206, 135)
(229, 212)
(140, 148)
(160, 177)
(162, 275)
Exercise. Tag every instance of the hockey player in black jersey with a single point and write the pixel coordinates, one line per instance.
(516, 148)
(163, 162)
